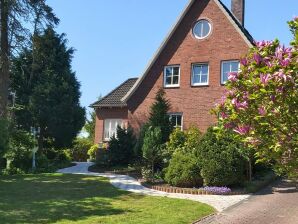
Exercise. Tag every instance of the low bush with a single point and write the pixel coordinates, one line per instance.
(220, 160)
(93, 151)
(120, 148)
(80, 149)
(183, 170)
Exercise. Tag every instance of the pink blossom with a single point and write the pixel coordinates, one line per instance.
(223, 115)
(239, 105)
(265, 78)
(233, 76)
(262, 44)
(262, 111)
(228, 125)
(242, 129)
(258, 59)
(285, 62)
(244, 61)
(231, 93)
(268, 62)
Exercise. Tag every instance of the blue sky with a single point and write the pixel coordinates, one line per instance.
(114, 40)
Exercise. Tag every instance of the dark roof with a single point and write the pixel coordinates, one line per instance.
(113, 99)
(241, 27)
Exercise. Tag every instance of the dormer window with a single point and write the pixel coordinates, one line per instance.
(172, 76)
(202, 29)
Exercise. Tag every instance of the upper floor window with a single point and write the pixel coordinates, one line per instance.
(172, 76)
(202, 29)
(227, 67)
(110, 128)
(200, 74)
(177, 120)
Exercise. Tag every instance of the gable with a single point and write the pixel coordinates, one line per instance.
(183, 29)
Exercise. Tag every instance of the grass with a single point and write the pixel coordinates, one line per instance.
(57, 198)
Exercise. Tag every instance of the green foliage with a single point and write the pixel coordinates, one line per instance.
(89, 126)
(4, 136)
(261, 105)
(152, 147)
(93, 151)
(140, 141)
(121, 147)
(80, 149)
(159, 115)
(19, 153)
(47, 89)
(176, 141)
(183, 170)
(220, 160)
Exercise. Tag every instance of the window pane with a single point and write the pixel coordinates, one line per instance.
(175, 80)
(205, 69)
(176, 71)
(206, 28)
(168, 71)
(204, 79)
(179, 120)
(168, 80)
(196, 79)
(234, 66)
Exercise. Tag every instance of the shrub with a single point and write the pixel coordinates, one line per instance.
(19, 154)
(120, 149)
(80, 149)
(93, 151)
(176, 141)
(220, 160)
(159, 116)
(152, 147)
(4, 136)
(183, 170)
(138, 153)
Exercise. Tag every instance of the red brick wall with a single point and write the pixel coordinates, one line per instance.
(107, 113)
(224, 43)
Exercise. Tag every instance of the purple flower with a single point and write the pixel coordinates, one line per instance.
(242, 129)
(223, 115)
(239, 105)
(262, 111)
(258, 59)
(244, 61)
(285, 62)
(272, 97)
(228, 125)
(217, 190)
(265, 78)
(233, 76)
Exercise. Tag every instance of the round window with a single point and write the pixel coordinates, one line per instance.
(202, 29)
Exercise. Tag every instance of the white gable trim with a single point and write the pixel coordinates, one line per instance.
(168, 37)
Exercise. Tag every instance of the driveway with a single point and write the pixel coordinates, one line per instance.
(277, 204)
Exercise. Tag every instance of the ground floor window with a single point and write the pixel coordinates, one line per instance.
(177, 120)
(110, 128)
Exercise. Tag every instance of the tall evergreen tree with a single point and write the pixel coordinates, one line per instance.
(15, 33)
(47, 90)
(159, 116)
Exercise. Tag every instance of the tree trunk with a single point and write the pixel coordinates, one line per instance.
(4, 58)
(40, 140)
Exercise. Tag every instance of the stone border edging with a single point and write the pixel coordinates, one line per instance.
(179, 190)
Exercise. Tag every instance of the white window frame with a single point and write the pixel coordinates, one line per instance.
(203, 37)
(177, 114)
(165, 76)
(110, 131)
(222, 69)
(193, 74)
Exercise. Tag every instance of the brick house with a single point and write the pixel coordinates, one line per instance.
(192, 65)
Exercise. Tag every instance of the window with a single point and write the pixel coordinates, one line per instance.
(110, 128)
(171, 76)
(226, 68)
(202, 29)
(200, 74)
(177, 120)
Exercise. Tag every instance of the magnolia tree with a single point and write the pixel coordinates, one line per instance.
(261, 103)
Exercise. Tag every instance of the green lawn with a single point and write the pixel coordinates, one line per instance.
(57, 198)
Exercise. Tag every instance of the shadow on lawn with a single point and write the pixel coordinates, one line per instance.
(51, 198)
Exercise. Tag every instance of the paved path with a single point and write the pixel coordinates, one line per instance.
(124, 182)
(277, 204)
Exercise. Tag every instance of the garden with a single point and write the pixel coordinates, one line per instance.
(254, 141)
